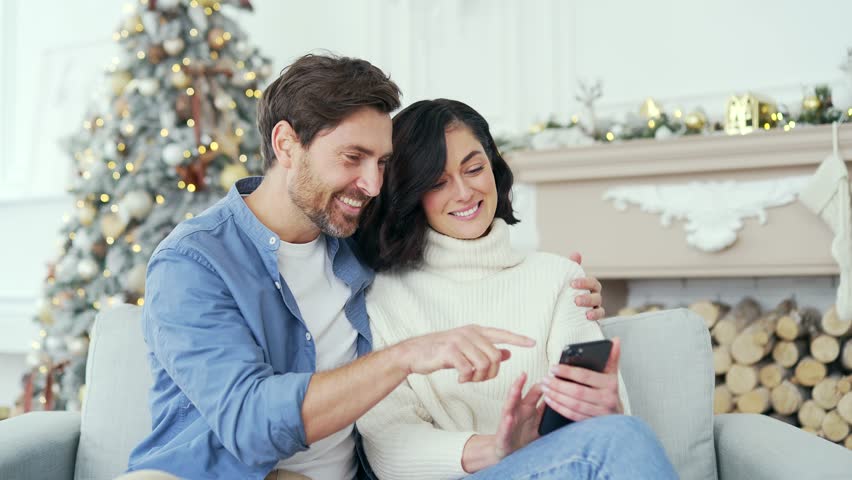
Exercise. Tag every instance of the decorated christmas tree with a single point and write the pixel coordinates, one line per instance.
(171, 133)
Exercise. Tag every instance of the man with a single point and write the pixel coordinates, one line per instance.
(255, 318)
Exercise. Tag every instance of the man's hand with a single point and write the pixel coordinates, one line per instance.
(578, 393)
(471, 350)
(521, 416)
(593, 299)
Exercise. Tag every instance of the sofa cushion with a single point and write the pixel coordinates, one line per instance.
(667, 365)
(115, 416)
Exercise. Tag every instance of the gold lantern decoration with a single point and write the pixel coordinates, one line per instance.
(650, 109)
(748, 113)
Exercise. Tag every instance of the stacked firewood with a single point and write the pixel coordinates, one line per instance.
(794, 364)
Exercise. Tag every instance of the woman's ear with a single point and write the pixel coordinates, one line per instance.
(285, 143)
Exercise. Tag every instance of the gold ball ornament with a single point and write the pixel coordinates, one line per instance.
(119, 80)
(112, 225)
(207, 3)
(216, 38)
(86, 215)
(180, 80)
(120, 106)
(156, 54)
(811, 103)
(45, 314)
(695, 121)
(134, 281)
(230, 174)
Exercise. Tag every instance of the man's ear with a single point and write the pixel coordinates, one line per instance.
(285, 143)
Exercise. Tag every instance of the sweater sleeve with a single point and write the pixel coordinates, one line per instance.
(570, 325)
(400, 440)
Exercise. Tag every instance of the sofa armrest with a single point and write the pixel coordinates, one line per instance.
(759, 447)
(39, 445)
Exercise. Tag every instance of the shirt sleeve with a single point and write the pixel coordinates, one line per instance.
(195, 329)
(570, 325)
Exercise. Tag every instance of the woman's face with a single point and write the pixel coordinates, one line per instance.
(463, 201)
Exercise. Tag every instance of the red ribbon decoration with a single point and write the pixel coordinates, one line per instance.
(194, 173)
(48, 387)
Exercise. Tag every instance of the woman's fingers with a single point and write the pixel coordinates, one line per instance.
(585, 376)
(585, 400)
(564, 411)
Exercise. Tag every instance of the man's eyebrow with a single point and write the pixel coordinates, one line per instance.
(360, 148)
(470, 156)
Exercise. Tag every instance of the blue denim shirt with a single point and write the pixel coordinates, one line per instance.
(230, 355)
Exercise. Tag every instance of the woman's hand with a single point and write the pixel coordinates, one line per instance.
(578, 393)
(521, 416)
(594, 299)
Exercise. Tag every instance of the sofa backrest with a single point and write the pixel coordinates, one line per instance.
(667, 365)
(115, 416)
(666, 362)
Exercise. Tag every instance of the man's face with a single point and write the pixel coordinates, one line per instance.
(334, 179)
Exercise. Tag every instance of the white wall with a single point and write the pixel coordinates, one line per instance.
(515, 61)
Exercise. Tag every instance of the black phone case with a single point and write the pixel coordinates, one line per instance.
(589, 355)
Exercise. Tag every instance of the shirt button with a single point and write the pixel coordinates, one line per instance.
(308, 336)
(272, 240)
(278, 285)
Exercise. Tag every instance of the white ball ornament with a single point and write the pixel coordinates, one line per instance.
(137, 204)
(173, 154)
(87, 269)
(174, 46)
(222, 101)
(76, 345)
(147, 86)
(54, 344)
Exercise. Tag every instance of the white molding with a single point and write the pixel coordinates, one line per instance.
(803, 146)
(711, 225)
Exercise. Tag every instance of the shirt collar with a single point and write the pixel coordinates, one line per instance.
(262, 236)
(348, 267)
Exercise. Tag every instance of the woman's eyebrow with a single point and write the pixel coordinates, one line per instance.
(469, 156)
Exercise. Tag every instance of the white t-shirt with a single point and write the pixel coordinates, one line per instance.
(321, 296)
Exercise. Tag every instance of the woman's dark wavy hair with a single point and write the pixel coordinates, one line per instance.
(392, 231)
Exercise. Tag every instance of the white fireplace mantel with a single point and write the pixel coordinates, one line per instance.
(572, 215)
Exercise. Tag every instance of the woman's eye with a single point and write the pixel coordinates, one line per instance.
(438, 185)
(475, 170)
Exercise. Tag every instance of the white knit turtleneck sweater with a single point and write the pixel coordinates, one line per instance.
(419, 431)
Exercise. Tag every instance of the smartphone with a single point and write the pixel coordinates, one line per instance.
(590, 355)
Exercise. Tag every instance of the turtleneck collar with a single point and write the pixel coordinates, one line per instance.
(470, 259)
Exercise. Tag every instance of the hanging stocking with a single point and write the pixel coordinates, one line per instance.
(827, 195)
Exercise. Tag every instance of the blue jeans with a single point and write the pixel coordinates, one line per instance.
(608, 447)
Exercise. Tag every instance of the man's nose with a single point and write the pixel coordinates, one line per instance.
(370, 179)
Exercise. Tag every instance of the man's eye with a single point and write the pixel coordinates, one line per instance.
(353, 158)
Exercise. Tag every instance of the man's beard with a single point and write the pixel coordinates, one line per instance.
(308, 192)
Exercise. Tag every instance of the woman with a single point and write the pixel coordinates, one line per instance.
(438, 235)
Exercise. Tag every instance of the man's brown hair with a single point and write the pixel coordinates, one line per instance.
(317, 92)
